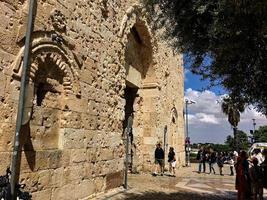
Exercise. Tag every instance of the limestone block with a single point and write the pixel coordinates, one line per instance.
(48, 139)
(85, 188)
(54, 159)
(148, 132)
(93, 154)
(114, 140)
(75, 104)
(5, 161)
(3, 85)
(88, 76)
(78, 156)
(13, 89)
(37, 133)
(71, 120)
(93, 107)
(119, 151)
(99, 184)
(114, 180)
(65, 192)
(30, 180)
(91, 137)
(57, 177)
(8, 110)
(88, 91)
(28, 161)
(42, 195)
(106, 154)
(51, 117)
(65, 158)
(7, 132)
(37, 116)
(150, 140)
(89, 168)
(73, 138)
(44, 179)
(89, 122)
(74, 172)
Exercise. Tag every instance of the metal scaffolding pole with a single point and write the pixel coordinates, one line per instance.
(21, 105)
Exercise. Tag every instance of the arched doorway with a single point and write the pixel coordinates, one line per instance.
(139, 75)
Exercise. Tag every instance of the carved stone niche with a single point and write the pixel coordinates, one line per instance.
(52, 75)
(44, 51)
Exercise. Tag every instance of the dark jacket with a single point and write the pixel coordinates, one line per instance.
(159, 153)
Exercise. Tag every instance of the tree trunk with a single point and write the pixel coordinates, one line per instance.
(236, 142)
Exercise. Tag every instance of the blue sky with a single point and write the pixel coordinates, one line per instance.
(206, 121)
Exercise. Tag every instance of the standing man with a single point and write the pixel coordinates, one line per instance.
(159, 160)
(201, 157)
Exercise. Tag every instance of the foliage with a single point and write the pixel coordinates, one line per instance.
(221, 147)
(242, 140)
(260, 135)
(230, 142)
(232, 33)
(215, 147)
(232, 109)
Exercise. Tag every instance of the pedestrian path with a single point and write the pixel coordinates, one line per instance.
(187, 185)
(212, 186)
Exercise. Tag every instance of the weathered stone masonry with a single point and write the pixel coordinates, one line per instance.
(93, 63)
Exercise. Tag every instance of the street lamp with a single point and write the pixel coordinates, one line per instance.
(254, 125)
(187, 140)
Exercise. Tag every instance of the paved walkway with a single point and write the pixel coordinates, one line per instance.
(188, 185)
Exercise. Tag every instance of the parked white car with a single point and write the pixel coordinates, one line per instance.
(261, 146)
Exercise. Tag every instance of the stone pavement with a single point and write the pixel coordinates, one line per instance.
(188, 185)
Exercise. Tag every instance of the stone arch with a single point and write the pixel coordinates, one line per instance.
(52, 74)
(45, 48)
(141, 83)
(135, 20)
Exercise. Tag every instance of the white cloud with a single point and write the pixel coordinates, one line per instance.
(207, 123)
(186, 72)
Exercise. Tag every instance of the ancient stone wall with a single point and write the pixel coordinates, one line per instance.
(84, 55)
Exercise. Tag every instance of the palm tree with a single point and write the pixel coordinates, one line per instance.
(232, 108)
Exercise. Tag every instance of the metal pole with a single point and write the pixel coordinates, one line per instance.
(126, 160)
(21, 104)
(165, 145)
(254, 125)
(128, 129)
(187, 134)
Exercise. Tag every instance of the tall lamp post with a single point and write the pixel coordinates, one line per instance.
(254, 128)
(187, 140)
(254, 125)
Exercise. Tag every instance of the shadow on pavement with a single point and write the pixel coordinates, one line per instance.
(153, 195)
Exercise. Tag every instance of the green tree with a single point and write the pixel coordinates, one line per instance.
(230, 142)
(242, 140)
(232, 108)
(221, 147)
(231, 33)
(260, 135)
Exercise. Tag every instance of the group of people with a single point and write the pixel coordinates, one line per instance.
(160, 163)
(251, 172)
(211, 158)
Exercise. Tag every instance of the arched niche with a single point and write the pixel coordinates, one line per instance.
(139, 46)
(46, 49)
(53, 78)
